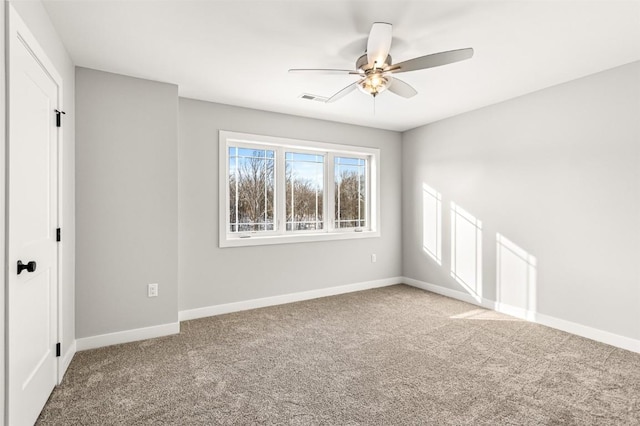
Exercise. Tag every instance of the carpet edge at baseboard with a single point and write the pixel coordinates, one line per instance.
(582, 330)
(226, 308)
(127, 336)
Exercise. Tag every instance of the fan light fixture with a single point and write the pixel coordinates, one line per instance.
(373, 84)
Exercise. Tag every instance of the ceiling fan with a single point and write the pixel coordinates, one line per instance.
(375, 68)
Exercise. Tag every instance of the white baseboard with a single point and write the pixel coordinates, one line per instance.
(65, 361)
(598, 335)
(454, 294)
(174, 328)
(127, 336)
(226, 308)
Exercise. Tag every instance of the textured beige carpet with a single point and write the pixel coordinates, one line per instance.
(395, 355)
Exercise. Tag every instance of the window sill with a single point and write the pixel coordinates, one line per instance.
(263, 240)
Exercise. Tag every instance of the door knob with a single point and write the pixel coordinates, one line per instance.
(30, 267)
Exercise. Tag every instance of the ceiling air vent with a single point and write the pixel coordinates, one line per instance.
(311, 97)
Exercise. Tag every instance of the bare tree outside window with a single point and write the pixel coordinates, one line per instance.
(305, 191)
(350, 192)
(251, 189)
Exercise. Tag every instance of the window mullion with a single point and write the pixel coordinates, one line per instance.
(330, 192)
(281, 191)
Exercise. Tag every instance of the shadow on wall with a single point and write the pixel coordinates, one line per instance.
(516, 276)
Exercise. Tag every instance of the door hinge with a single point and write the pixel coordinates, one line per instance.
(59, 117)
(57, 349)
(58, 235)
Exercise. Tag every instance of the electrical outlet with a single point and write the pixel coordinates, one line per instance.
(373, 258)
(152, 290)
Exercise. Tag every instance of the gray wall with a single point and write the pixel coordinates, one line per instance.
(209, 275)
(127, 202)
(37, 19)
(2, 209)
(558, 173)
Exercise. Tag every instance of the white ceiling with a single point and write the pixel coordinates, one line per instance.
(238, 52)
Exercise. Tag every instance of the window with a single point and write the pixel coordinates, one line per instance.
(350, 177)
(305, 191)
(275, 190)
(251, 189)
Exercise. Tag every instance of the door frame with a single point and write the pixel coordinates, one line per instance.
(17, 28)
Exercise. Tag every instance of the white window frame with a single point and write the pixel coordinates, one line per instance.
(280, 235)
(367, 188)
(257, 147)
(283, 199)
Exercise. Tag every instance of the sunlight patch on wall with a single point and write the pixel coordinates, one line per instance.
(432, 223)
(515, 277)
(466, 250)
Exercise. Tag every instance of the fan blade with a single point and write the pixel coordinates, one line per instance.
(379, 43)
(321, 71)
(431, 61)
(350, 88)
(402, 88)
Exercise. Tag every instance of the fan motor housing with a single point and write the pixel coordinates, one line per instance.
(363, 62)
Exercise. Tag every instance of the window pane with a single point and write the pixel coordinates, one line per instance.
(350, 176)
(251, 189)
(305, 187)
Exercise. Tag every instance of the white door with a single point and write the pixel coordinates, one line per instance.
(32, 222)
